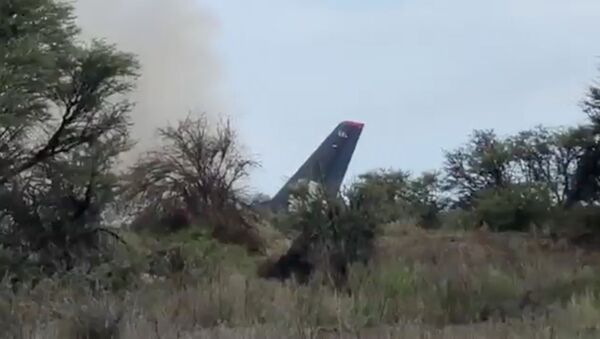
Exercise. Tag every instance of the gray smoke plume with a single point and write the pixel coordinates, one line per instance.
(173, 40)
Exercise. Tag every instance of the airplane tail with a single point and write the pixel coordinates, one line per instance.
(326, 166)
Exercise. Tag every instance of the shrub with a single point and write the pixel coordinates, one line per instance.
(579, 224)
(391, 196)
(334, 232)
(514, 208)
(458, 219)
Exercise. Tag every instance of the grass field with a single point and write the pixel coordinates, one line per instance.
(421, 284)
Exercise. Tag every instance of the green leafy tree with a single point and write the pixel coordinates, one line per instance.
(591, 106)
(549, 157)
(392, 195)
(63, 123)
(55, 93)
(586, 186)
(383, 192)
(483, 163)
(52, 216)
(427, 199)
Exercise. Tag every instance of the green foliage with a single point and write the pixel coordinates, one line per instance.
(56, 211)
(512, 182)
(549, 157)
(35, 36)
(72, 103)
(586, 186)
(391, 196)
(427, 199)
(458, 219)
(579, 223)
(591, 106)
(200, 255)
(481, 164)
(540, 156)
(514, 208)
(383, 193)
(334, 231)
(63, 123)
(345, 228)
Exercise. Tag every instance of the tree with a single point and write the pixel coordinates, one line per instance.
(54, 213)
(56, 94)
(35, 35)
(392, 195)
(195, 167)
(586, 185)
(384, 192)
(63, 123)
(483, 163)
(427, 198)
(591, 106)
(549, 157)
(200, 168)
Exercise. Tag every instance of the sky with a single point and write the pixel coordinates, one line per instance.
(420, 74)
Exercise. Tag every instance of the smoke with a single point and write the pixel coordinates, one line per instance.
(173, 40)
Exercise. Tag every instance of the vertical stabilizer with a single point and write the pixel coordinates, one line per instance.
(327, 165)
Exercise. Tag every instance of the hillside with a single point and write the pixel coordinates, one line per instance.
(437, 283)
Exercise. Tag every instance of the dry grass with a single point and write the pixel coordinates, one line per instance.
(421, 284)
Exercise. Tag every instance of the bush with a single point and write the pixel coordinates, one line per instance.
(579, 224)
(514, 208)
(458, 219)
(334, 232)
(391, 196)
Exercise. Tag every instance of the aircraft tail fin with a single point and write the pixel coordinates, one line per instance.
(327, 165)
